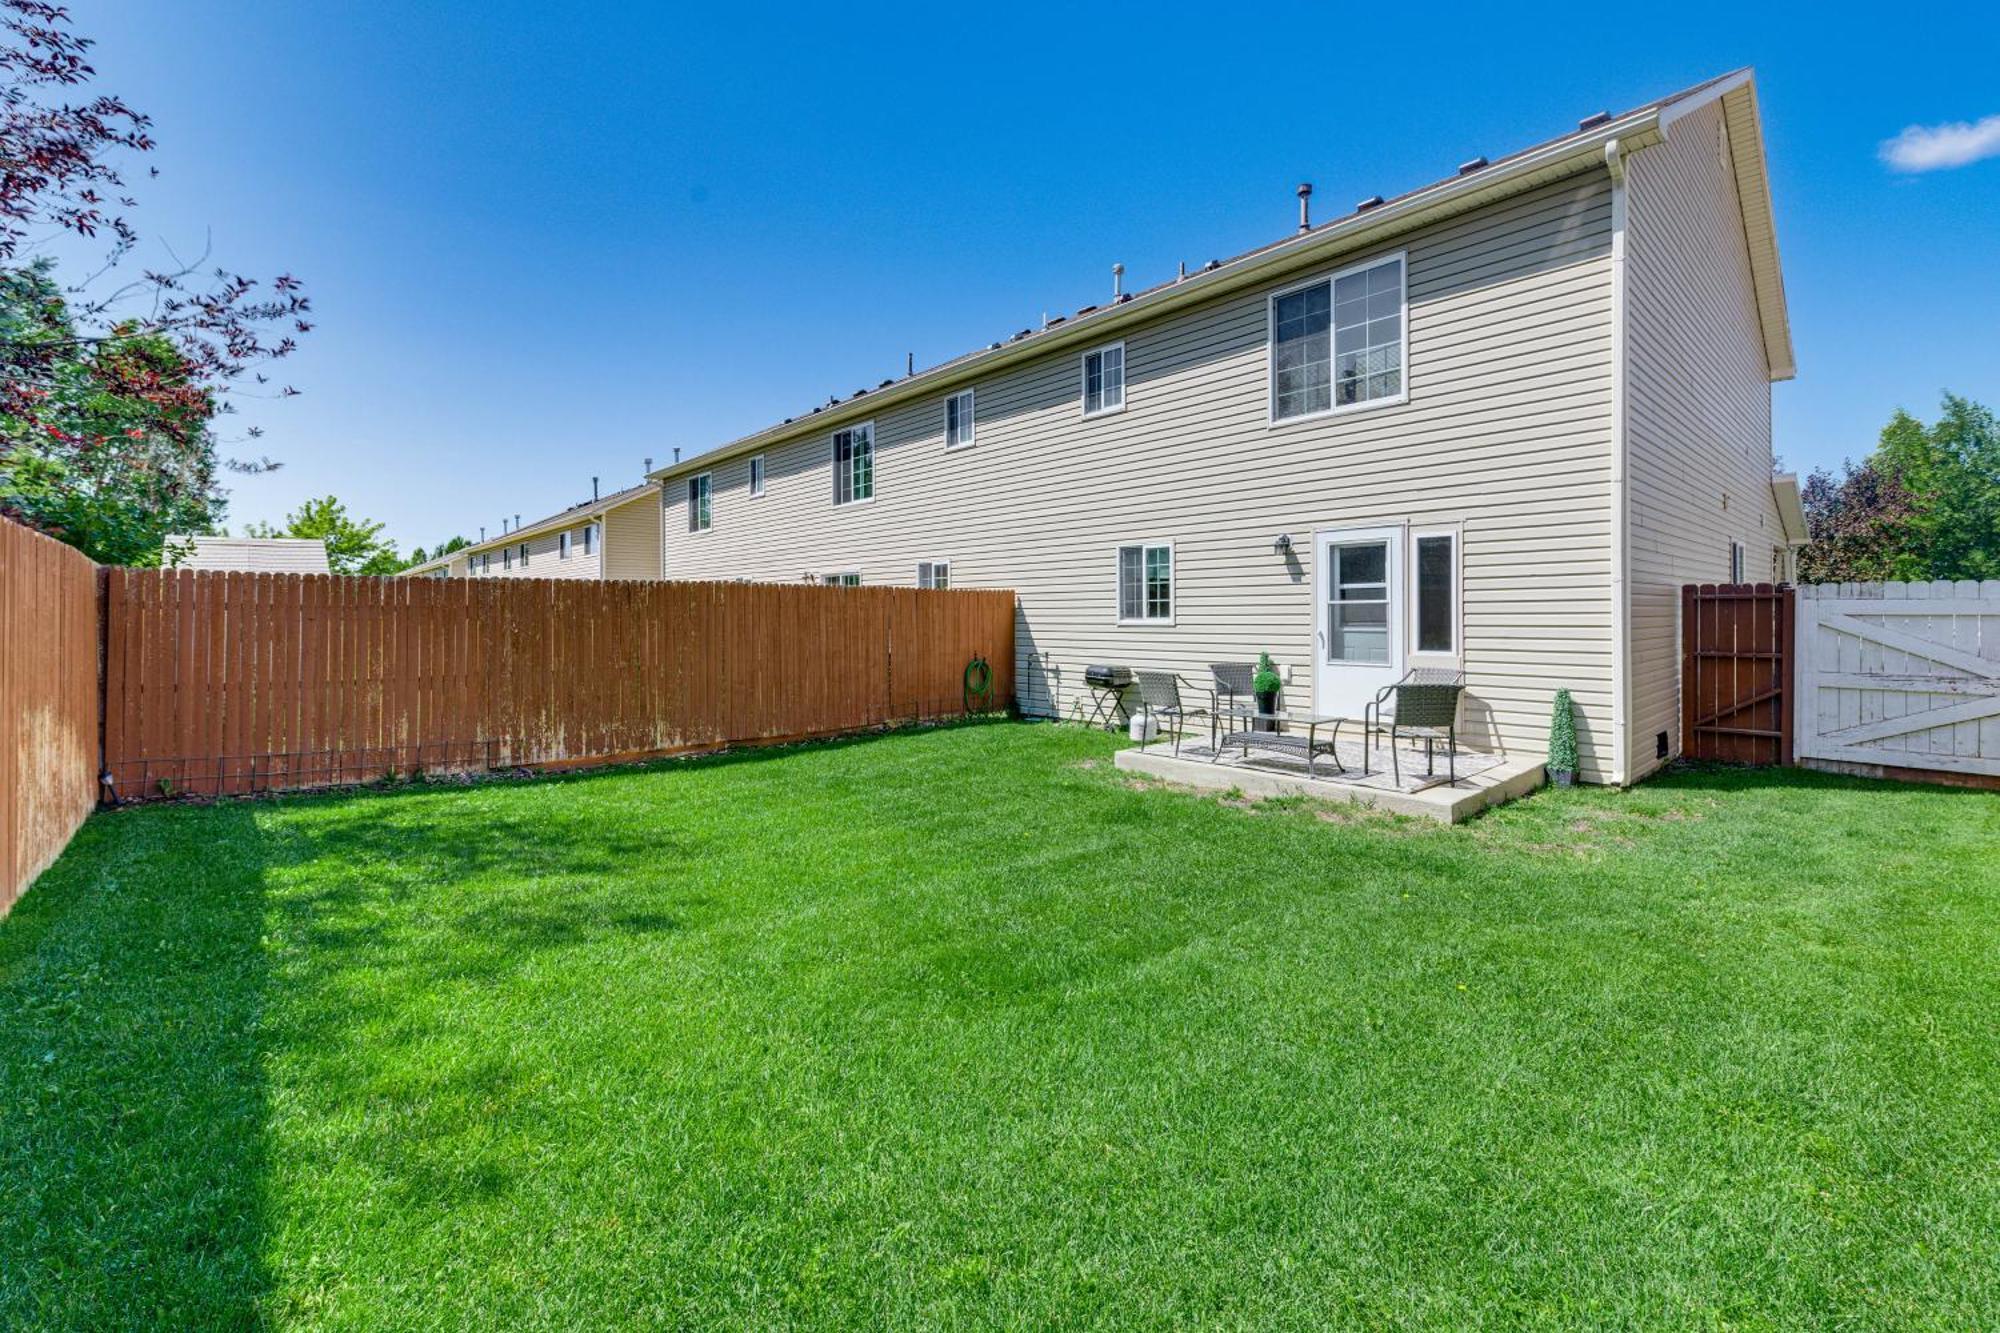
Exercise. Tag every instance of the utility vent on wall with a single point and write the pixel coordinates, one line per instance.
(1660, 746)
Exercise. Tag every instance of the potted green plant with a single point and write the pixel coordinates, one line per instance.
(1265, 685)
(1562, 741)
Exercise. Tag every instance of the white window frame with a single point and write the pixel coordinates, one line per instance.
(1173, 583)
(846, 578)
(524, 555)
(1739, 561)
(592, 534)
(706, 481)
(1124, 381)
(1336, 408)
(562, 545)
(927, 569)
(507, 556)
(833, 464)
(1415, 629)
(968, 417)
(756, 476)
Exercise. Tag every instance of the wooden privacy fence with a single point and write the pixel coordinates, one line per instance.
(1901, 679)
(49, 602)
(224, 683)
(1736, 682)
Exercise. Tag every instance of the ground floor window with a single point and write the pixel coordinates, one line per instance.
(934, 574)
(1146, 583)
(1437, 592)
(849, 579)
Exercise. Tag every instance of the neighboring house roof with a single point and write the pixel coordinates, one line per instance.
(1791, 510)
(562, 518)
(261, 555)
(1370, 223)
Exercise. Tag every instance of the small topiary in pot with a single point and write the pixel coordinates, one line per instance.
(1562, 741)
(1265, 685)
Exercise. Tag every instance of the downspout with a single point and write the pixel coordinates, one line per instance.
(1621, 606)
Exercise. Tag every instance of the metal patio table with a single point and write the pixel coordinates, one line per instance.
(1311, 745)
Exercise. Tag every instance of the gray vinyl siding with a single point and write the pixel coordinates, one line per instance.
(1698, 416)
(1507, 432)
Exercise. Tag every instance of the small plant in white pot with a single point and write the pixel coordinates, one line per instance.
(1562, 741)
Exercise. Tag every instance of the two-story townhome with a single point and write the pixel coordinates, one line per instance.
(1491, 424)
(616, 536)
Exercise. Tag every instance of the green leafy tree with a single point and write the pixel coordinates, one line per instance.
(104, 443)
(110, 385)
(1924, 505)
(1952, 471)
(353, 545)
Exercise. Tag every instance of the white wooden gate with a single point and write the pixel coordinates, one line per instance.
(1905, 675)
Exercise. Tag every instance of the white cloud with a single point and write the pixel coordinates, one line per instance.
(1935, 147)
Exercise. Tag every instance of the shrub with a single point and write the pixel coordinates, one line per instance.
(1562, 735)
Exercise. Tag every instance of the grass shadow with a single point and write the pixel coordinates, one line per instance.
(131, 1072)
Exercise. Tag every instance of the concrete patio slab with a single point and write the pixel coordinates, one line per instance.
(1494, 784)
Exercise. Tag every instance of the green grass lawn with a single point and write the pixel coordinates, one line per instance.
(965, 1027)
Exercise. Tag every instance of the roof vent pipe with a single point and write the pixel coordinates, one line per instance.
(593, 490)
(649, 468)
(482, 532)
(1305, 205)
(677, 453)
(1117, 281)
(909, 363)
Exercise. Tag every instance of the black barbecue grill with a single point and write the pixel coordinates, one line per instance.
(1107, 686)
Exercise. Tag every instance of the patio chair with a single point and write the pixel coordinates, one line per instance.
(1231, 684)
(1426, 708)
(1160, 696)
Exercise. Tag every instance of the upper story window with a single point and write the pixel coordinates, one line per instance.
(1146, 584)
(506, 557)
(1104, 380)
(934, 574)
(524, 555)
(589, 538)
(562, 546)
(958, 420)
(700, 518)
(854, 464)
(1340, 342)
(756, 476)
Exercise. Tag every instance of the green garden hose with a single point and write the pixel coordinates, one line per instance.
(978, 684)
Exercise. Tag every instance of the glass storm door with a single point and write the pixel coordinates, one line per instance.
(1359, 616)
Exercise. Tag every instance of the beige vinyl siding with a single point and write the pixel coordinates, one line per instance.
(632, 539)
(543, 560)
(1698, 416)
(1506, 432)
(262, 555)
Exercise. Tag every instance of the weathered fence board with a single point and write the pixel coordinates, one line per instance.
(1736, 692)
(49, 604)
(225, 683)
(1901, 677)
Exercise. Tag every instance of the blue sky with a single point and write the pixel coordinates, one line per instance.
(546, 241)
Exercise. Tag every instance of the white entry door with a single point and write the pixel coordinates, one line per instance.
(1359, 600)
